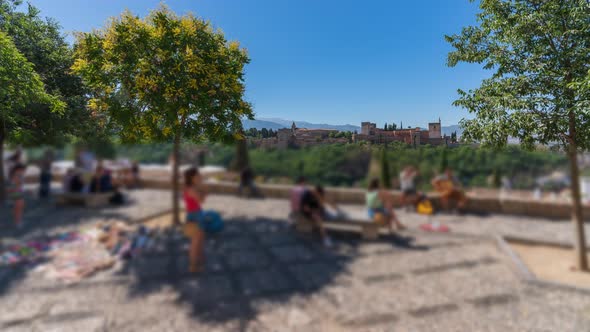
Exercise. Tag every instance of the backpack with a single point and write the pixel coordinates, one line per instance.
(211, 222)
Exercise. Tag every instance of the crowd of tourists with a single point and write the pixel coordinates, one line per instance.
(309, 202)
(90, 176)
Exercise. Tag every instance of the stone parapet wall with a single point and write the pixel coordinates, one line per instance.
(476, 204)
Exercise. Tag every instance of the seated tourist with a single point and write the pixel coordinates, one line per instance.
(407, 178)
(247, 182)
(67, 180)
(449, 188)
(296, 194)
(313, 208)
(380, 206)
(102, 181)
(76, 184)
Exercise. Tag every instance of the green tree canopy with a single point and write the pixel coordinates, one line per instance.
(165, 77)
(20, 87)
(538, 56)
(42, 44)
(385, 175)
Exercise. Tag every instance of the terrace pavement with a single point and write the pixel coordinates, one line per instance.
(262, 276)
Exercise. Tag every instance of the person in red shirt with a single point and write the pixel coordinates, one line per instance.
(194, 196)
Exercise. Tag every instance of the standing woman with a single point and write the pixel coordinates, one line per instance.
(16, 193)
(194, 196)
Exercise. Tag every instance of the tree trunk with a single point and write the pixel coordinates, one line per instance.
(175, 173)
(577, 215)
(2, 179)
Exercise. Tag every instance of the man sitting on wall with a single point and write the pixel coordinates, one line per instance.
(102, 181)
(449, 188)
(313, 207)
(295, 197)
(407, 178)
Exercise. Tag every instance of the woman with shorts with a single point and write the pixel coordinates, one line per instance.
(194, 197)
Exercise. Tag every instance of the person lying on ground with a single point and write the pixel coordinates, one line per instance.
(194, 196)
(313, 207)
(449, 188)
(380, 205)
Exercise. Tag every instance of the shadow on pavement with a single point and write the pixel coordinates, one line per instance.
(252, 264)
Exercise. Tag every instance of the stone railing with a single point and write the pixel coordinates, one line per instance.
(476, 203)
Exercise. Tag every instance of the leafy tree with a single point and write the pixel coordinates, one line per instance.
(385, 127)
(385, 171)
(348, 136)
(444, 161)
(300, 168)
(264, 133)
(42, 43)
(538, 53)
(252, 132)
(393, 126)
(20, 86)
(164, 78)
(454, 137)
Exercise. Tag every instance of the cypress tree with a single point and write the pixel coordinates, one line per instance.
(385, 171)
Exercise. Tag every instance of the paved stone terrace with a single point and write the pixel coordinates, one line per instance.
(261, 276)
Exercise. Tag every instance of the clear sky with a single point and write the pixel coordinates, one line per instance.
(329, 61)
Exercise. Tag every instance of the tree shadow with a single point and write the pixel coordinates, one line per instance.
(253, 263)
(43, 220)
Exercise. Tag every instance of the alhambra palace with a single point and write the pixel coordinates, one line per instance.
(301, 137)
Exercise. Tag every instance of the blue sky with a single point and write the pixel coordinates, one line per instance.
(327, 61)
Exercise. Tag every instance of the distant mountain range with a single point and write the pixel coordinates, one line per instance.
(276, 123)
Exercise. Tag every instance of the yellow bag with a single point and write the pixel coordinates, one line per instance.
(380, 218)
(424, 207)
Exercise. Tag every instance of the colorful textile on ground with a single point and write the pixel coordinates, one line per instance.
(33, 250)
(435, 227)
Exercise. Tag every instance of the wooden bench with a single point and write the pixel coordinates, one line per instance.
(369, 229)
(86, 199)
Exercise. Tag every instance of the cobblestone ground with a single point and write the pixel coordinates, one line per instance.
(262, 276)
